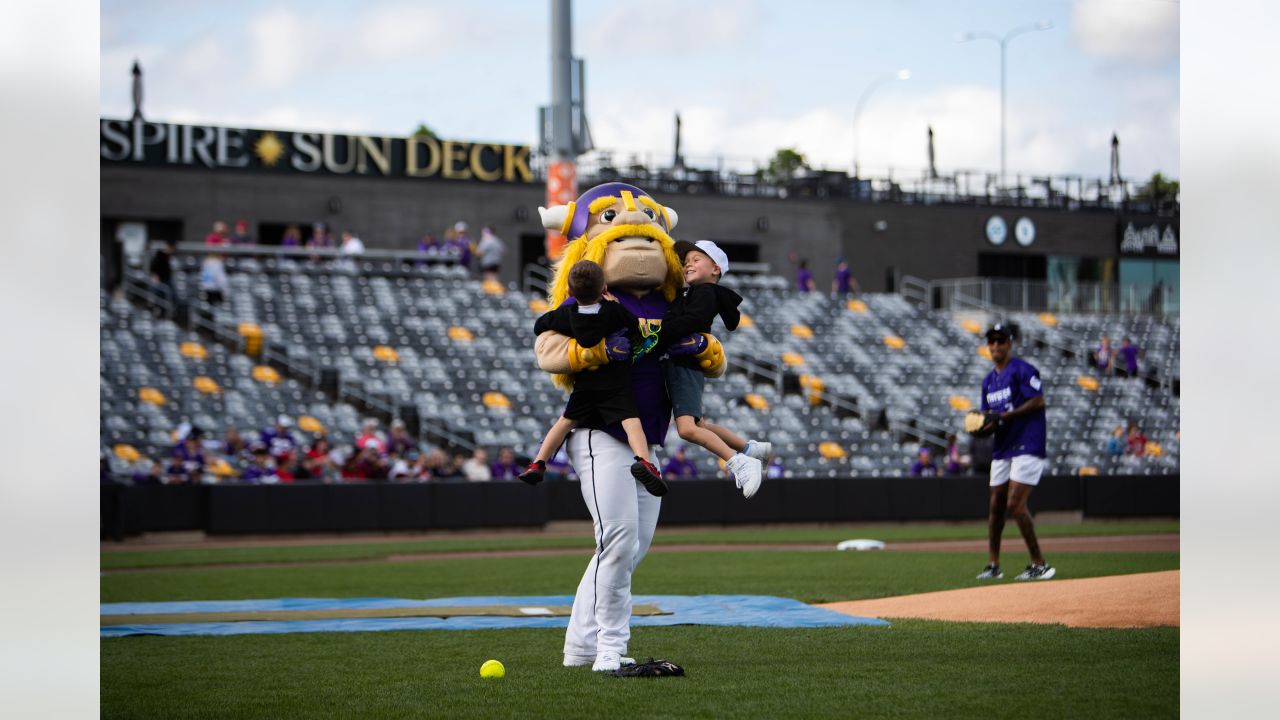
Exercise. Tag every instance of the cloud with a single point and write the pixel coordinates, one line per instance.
(278, 47)
(1141, 32)
(678, 28)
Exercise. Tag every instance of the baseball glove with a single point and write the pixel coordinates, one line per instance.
(981, 424)
(652, 668)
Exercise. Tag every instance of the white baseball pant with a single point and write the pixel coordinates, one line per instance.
(624, 516)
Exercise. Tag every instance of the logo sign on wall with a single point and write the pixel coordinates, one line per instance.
(1147, 238)
(148, 144)
(997, 230)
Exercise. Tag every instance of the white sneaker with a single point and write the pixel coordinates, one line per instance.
(762, 451)
(580, 660)
(747, 473)
(607, 662)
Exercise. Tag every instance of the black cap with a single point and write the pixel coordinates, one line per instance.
(1001, 330)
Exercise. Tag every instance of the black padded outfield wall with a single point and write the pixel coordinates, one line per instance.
(271, 509)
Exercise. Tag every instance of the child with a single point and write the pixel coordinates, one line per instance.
(601, 396)
(692, 312)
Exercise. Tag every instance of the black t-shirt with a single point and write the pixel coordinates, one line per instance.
(161, 266)
(693, 311)
(589, 330)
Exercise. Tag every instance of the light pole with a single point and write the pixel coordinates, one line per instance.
(1004, 43)
(903, 74)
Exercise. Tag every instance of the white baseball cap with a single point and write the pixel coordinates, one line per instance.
(708, 248)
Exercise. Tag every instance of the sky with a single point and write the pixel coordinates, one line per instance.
(746, 76)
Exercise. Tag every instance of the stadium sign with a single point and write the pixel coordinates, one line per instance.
(1147, 238)
(148, 144)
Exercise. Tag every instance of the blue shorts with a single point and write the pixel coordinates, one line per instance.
(684, 385)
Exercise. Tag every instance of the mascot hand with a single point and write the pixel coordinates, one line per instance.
(617, 346)
(581, 358)
(711, 359)
(691, 345)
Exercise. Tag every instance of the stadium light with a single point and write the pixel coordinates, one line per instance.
(903, 74)
(1003, 40)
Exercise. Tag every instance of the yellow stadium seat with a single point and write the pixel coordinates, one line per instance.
(457, 333)
(538, 306)
(894, 342)
(984, 351)
(1048, 319)
(266, 374)
(831, 451)
(193, 350)
(306, 423)
(815, 386)
(757, 402)
(1154, 449)
(802, 331)
(1088, 383)
(252, 335)
(1088, 470)
(386, 354)
(493, 287)
(746, 321)
(128, 453)
(497, 401)
(972, 327)
(857, 306)
(151, 396)
(206, 385)
(791, 359)
(221, 468)
(959, 402)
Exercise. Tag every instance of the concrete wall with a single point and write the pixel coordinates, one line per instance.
(925, 241)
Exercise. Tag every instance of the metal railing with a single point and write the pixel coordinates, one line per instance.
(1012, 295)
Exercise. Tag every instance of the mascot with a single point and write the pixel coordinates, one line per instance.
(627, 233)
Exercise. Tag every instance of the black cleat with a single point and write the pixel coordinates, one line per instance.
(648, 475)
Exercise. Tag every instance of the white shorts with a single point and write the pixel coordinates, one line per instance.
(1023, 469)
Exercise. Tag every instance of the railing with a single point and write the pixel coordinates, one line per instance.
(536, 278)
(1011, 295)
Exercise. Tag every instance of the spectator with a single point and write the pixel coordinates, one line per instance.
(260, 470)
(234, 447)
(1128, 357)
(153, 475)
(292, 237)
(506, 467)
(775, 470)
(317, 461)
(1116, 443)
(218, 236)
(452, 469)
(367, 464)
(369, 435)
(956, 462)
(804, 278)
(351, 243)
(559, 468)
(679, 467)
(491, 250)
(213, 278)
(162, 268)
(433, 464)
(319, 236)
(400, 442)
(1136, 443)
(844, 283)
(1103, 356)
(241, 236)
(279, 438)
(429, 247)
(187, 456)
(924, 465)
(477, 468)
(462, 244)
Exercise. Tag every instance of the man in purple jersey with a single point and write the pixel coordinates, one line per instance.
(1013, 392)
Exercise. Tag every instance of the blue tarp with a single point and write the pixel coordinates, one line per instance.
(739, 610)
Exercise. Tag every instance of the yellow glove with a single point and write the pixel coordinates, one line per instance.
(581, 358)
(711, 359)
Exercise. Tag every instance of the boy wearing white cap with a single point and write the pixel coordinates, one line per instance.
(691, 314)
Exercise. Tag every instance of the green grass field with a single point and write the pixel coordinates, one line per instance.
(913, 669)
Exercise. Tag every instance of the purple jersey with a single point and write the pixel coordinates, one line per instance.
(683, 469)
(843, 277)
(1003, 391)
(803, 278)
(647, 383)
(1129, 353)
(279, 442)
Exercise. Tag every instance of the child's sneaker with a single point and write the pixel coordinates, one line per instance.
(747, 473)
(648, 475)
(762, 451)
(534, 473)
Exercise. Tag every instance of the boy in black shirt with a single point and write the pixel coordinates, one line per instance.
(691, 313)
(602, 395)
